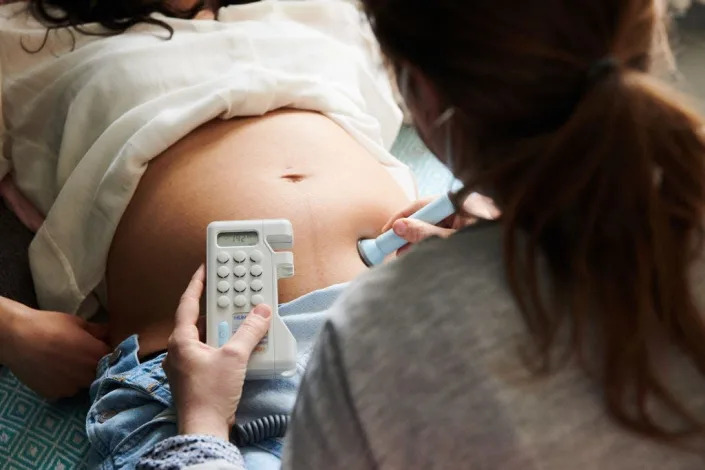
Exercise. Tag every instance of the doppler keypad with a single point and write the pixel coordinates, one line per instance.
(239, 283)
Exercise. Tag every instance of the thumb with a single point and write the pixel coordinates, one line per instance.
(97, 330)
(414, 231)
(253, 329)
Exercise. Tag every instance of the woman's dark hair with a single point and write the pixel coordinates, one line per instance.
(598, 169)
(115, 16)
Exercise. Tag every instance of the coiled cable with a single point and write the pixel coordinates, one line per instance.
(259, 430)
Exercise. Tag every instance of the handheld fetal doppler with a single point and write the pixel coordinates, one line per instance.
(245, 260)
(374, 251)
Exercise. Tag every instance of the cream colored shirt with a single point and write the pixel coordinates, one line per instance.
(84, 115)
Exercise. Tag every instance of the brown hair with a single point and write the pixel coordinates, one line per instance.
(599, 171)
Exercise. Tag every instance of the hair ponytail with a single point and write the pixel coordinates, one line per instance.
(619, 236)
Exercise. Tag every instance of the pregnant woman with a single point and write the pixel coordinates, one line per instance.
(130, 141)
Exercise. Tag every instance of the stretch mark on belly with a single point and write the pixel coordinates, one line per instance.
(294, 177)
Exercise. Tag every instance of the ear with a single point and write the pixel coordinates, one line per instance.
(423, 99)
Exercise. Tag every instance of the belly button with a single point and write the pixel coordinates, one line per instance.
(294, 177)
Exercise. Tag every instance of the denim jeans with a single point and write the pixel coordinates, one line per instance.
(131, 412)
(131, 406)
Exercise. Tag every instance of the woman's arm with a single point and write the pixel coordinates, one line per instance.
(53, 353)
(8, 324)
(325, 430)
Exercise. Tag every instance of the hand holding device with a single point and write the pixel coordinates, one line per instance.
(374, 251)
(420, 221)
(206, 382)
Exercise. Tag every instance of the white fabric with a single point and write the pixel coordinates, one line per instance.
(85, 115)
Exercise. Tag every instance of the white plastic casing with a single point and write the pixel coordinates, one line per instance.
(276, 354)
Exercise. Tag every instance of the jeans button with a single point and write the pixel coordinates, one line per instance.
(115, 356)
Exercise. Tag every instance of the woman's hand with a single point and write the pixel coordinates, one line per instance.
(206, 383)
(414, 231)
(53, 353)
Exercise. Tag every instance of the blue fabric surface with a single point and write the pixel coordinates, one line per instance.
(432, 176)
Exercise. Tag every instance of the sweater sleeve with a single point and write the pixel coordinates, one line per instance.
(193, 451)
(326, 431)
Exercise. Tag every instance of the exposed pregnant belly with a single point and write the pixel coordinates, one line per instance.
(290, 164)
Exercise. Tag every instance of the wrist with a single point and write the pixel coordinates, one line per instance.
(10, 319)
(204, 423)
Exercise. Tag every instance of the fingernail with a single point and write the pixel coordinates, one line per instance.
(263, 311)
(401, 227)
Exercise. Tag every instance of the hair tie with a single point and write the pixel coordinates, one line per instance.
(603, 68)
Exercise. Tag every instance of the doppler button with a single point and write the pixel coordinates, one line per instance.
(256, 256)
(223, 271)
(240, 301)
(239, 256)
(223, 257)
(240, 286)
(240, 271)
(223, 301)
(256, 270)
(257, 299)
(256, 285)
(223, 333)
(223, 286)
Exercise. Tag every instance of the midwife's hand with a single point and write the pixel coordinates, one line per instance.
(415, 231)
(206, 383)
